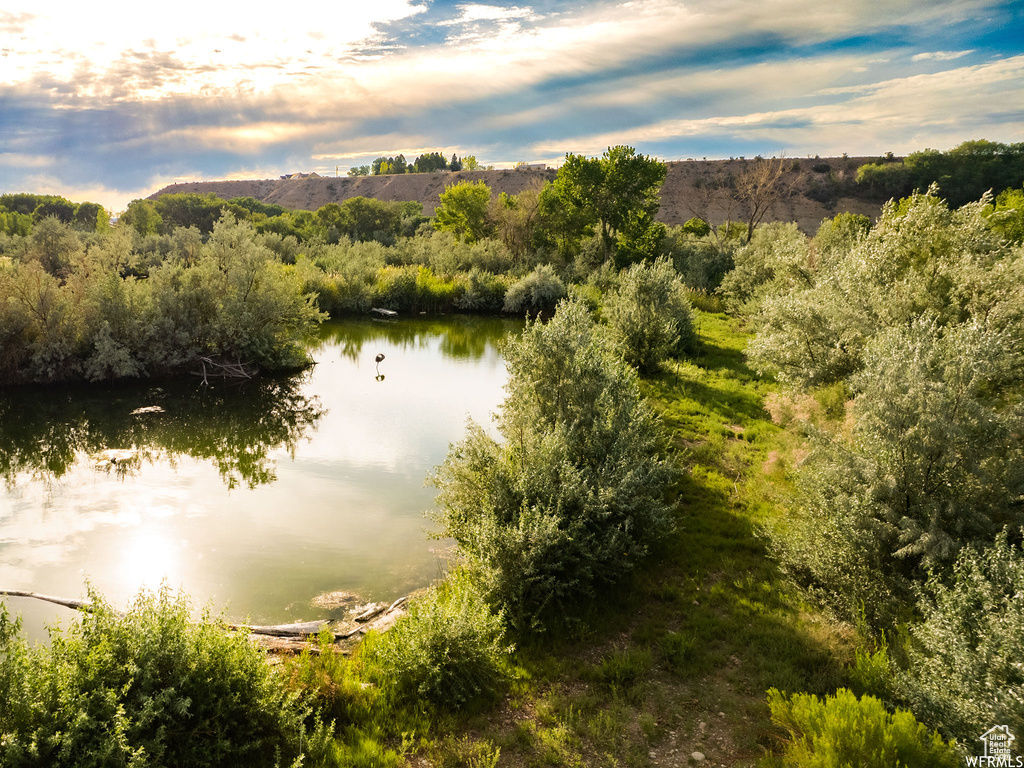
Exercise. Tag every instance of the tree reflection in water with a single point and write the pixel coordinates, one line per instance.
(44, 432)
(463, 337)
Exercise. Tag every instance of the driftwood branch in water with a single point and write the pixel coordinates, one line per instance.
(83, 605)
(382, 619)
(281, 637)
(299, 629)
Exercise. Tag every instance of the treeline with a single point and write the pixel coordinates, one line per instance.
(76, 306)
(21, 210)
(426, 163)
(358, 218)
(480, 253)
(182, 277)
(963, 174)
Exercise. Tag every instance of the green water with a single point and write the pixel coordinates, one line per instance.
(253, 498)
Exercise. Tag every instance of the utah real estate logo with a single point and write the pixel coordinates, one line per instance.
(996, 749)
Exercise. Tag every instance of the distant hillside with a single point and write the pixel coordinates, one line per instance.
(821, 190)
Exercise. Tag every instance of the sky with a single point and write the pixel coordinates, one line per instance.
(109, 101)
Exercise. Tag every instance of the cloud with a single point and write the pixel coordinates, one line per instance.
(17, 160)
(941, 55)
(14, 23)
(226, 44)
(896, 114)
(121, 106)
(475, 12)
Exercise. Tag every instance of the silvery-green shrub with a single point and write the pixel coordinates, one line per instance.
(919, 259)
(648, 314)
(447, 652)
(149, 687)
(539, 291)
(934, 463)
(966, 659)
(574, 493)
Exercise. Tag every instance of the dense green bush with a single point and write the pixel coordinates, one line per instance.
(842, 730)
(698, 258)
(325, 682)
(481, 292)
(885, 181)
(649, 316)
(965, 670)
(575, 493)
(146, 688)
(446, 653)
(414, 289)
(934, 462)
(775, 260)
(537, 292)
(961, 174)
(71, 312)
(837, 236)
(462, 209)
(1006, 216)
(21, 211)
(919, 258)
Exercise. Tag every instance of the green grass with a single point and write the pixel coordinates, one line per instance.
(708, 625)
(680, 658)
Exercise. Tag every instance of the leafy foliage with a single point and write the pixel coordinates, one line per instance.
(575, 495)
(773, 262)
(447, 652)
(70, 312)
(649, 315)
(147, 688)
(539, 291)
(698, 258)
(965, 668)
(618, 192)
(962, 174)
(843, 730)
(933, 463)
(21, 211)
(1007, 215)
(920, 258)
(463, 210)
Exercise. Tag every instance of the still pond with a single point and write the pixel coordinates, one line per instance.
(253, 498)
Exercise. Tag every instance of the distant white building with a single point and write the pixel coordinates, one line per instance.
(289, 176)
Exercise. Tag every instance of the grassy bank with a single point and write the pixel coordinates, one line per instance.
(678, 661)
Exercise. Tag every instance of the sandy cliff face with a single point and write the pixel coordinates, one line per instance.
(816, 194)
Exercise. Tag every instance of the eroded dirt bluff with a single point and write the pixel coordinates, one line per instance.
(820, 188)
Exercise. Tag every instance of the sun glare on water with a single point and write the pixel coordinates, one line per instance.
(149, 559)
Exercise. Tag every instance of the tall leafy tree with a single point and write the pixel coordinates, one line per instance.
(614, 192)
(141, 215)
(463, 210)
(516, 219)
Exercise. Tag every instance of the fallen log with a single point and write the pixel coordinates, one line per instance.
(297, 629)
(292, 637)
(382, 619)
(84, 605)
(282, 645)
